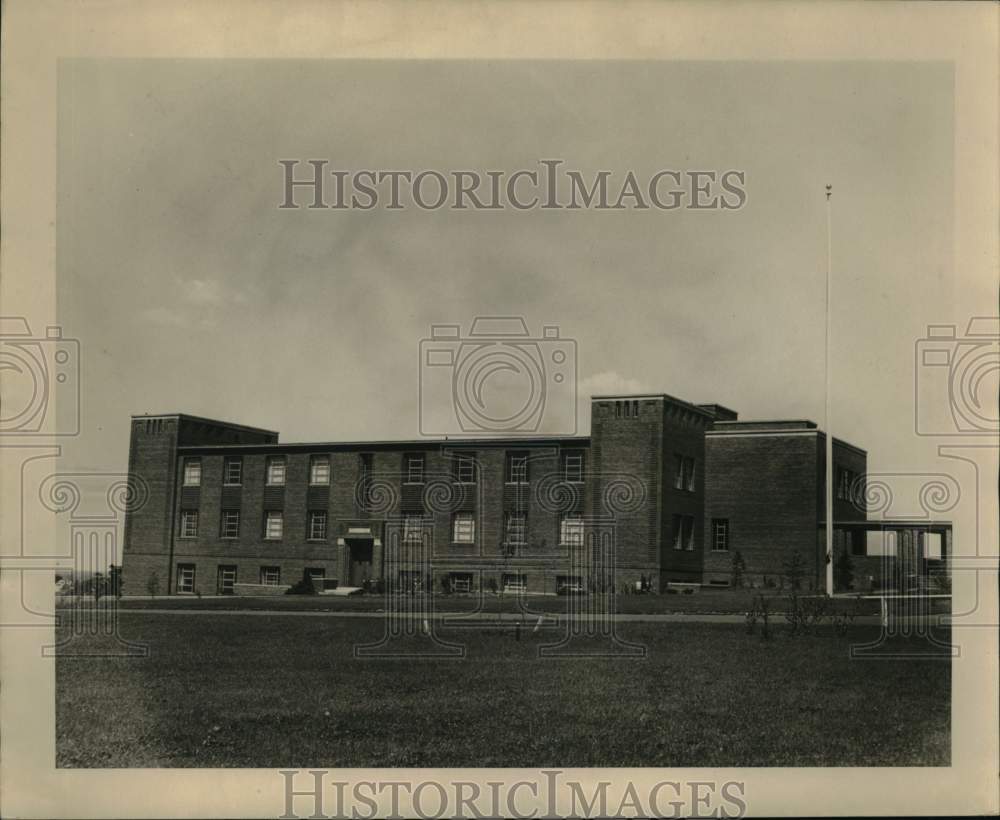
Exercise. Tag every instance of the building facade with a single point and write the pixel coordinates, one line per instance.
(661, 491)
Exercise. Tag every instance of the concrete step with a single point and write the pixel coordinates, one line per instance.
(341, 591)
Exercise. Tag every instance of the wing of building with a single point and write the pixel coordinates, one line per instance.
(662, 491)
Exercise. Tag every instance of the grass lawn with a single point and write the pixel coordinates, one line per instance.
(705, 601)
(287, 691)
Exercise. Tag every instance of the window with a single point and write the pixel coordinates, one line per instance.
(185, 578)
(274, 524)
(689, 474)
(515, 582)
(571, 531)
(319, 470)
(230, 524)
(720, 534)
(463, 528)
(189, 523)
(573, 467)
(465, 469)
(517, 468)
(192, 472)
(232, 472)
(317, 525)
(270, 576)
(276, 471)
(316, 577)
(226, 580)
(414, 473)
(516, 529)
(461, 581)
(683, 473)
(683, 530)
(413, 528)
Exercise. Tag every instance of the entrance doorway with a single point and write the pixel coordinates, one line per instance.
(359, 562)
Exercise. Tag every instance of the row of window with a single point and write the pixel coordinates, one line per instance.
(226, 576)
(464, 469)
(273, 529)
(463, 527)
(683, 533)
(515, 529)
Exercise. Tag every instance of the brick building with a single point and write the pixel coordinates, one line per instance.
(662, 491)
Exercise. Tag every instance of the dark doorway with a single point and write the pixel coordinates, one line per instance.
(360, 561)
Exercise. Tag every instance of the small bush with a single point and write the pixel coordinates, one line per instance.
(304, 586)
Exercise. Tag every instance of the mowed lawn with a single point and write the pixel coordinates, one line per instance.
(287, 691)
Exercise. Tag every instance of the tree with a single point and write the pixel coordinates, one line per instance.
(795, 570)
(153, 585)
(738, 568)
(843, 571)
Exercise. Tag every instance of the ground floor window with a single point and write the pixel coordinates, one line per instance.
(515, 582)
(569, 583)
(461, 581)
(226, 580)
(270, 576)
(185, 578)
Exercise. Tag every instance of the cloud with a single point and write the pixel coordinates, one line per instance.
(610, 382)
(164, 316)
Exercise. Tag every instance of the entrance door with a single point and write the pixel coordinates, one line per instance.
(360, 562)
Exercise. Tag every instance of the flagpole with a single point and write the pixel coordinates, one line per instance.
(828, 494)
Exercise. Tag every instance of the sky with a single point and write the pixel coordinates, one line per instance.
(191, 291)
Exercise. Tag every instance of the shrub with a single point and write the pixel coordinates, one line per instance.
(304, 586)
(795, 570)
(153, 585)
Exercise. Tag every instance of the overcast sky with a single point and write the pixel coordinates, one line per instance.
(190, 291)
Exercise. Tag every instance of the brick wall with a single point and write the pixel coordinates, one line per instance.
(769, 486)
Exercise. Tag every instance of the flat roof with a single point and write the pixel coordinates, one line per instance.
(389, 444)
(203, 419)
(664, 396)
(789, 427)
